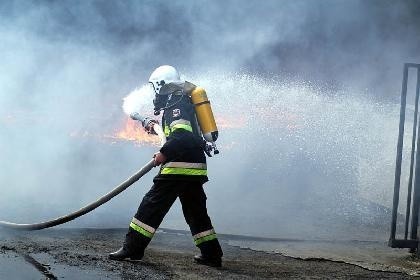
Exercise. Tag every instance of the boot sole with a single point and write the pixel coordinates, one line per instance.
(125, 259)
(211, 264)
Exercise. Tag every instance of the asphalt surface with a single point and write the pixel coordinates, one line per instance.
(83, 254)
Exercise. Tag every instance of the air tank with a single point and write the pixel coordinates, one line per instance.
(204, 114)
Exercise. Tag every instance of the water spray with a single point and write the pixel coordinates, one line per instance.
(147, 124)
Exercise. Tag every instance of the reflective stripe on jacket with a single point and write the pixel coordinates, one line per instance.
(178, 124)
(184, 168)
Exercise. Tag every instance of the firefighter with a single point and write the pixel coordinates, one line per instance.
(182, 174)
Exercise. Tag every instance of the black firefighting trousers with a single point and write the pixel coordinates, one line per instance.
(157, 202)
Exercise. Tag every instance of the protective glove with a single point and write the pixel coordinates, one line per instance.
(159, 158)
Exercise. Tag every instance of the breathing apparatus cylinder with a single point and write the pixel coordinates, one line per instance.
(205, 115)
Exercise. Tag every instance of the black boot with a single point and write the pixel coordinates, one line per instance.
(211, 253)
(213, 262)
(124, 254)
(132, 249)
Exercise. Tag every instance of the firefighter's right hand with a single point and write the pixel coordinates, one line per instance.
(159, 158)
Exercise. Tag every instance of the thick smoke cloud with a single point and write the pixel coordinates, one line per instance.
(67, 65)
(360, 43)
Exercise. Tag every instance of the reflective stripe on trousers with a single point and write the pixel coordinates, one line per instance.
(142, 228)
(204, 236)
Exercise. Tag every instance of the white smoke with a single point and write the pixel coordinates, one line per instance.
(139, 100)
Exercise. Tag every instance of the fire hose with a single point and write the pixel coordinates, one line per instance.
(102, 200)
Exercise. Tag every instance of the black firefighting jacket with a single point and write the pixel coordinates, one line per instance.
(184, 147)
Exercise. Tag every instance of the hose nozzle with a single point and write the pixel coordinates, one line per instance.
(136, 116)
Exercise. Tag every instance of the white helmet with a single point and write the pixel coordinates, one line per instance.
(164, 74)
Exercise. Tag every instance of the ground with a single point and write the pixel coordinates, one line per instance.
(83, 254)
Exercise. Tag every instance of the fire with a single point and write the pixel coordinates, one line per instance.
(132, 131)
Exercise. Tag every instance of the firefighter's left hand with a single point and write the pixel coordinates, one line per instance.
(159, 158)
(149, 128)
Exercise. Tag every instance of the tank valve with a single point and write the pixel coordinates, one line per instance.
(210, 147)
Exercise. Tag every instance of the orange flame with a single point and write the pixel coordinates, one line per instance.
(132, 131)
